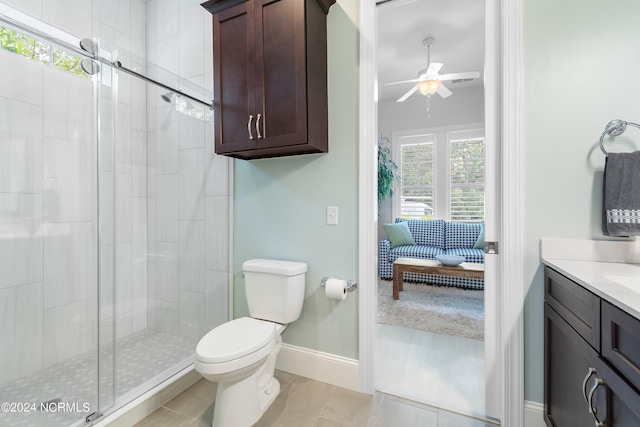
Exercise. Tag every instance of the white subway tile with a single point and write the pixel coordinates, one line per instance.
(167, 209)
(69, 263)
(21, 329)
(192, 238)
(20, 147)
(217, 233)
(192, 184)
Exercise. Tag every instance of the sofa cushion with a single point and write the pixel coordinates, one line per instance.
(470, 255)
(398, 234)
(461, 234)
(429, 232)
(480, 241)
(418, 251)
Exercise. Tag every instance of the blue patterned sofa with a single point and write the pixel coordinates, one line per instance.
(435, 237)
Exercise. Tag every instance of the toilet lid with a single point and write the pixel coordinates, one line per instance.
(235, 339)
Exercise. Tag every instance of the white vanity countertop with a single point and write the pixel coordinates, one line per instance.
(616, 282)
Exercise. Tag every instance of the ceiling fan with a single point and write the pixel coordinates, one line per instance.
(429, 81)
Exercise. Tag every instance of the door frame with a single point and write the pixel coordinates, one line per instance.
(503, 117)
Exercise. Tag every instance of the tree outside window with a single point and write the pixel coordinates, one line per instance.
(21, 44)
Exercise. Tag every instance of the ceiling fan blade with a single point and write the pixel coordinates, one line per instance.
(456, 76)
(402, 81)
(408, 94)
(444, 92)
(433, 69)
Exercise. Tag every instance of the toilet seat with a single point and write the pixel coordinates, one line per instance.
(236, 344)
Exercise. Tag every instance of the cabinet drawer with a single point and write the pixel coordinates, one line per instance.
(579, 307)
(621, 342)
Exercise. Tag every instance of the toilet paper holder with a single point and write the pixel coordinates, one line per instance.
(352, 285)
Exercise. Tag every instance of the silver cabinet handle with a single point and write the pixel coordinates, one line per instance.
(258, 126)
(585, 381)
(249, 126)
(593, 411)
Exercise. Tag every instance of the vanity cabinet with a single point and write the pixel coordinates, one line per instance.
(270, 77)
(592, 358)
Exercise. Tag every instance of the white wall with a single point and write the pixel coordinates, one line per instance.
(581, 64)
(464, 106)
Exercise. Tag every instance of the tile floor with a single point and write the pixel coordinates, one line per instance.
(304, 402)
(435, 369)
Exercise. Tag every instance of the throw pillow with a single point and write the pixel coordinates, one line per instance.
(398, 234)
(480, 242)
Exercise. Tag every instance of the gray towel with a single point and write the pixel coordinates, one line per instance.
(621, 195)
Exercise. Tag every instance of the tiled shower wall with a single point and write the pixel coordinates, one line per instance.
(172, 195)
(47, 194)
(189, 191)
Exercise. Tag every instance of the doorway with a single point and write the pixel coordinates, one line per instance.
(431, 340)
(420, 42)
(503, 71)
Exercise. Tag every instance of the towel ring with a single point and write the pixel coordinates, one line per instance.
(614, 128)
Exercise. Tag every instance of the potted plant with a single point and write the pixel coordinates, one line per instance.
(387, 170)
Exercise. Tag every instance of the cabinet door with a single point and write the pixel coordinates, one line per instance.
(234, 79)
(621, 342)
(281, 98)
(568, 359)
(622, 401)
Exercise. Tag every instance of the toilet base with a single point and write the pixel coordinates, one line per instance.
(242, 403)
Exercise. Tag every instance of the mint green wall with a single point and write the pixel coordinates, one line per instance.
(280, 205)
(581, 65)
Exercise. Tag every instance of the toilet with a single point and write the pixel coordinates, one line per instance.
(240, 355)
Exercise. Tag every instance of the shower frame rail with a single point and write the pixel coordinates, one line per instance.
(86, 52)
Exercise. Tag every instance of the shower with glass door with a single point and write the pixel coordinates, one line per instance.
(110, 198)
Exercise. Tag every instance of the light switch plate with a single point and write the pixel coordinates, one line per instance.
(332, 215)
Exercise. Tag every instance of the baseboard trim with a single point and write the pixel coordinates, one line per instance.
(533, 414)
(317, 365)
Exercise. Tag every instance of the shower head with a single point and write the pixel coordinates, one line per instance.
(167, 97)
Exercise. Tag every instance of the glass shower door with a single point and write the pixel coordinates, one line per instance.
(56, 203)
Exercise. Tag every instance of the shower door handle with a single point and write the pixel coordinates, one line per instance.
(249, 126)
(258, 126)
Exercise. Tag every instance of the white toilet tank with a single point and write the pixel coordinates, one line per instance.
(275, 289)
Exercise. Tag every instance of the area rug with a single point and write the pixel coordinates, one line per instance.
(439, 309)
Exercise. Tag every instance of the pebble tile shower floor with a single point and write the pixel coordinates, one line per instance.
(139, 357)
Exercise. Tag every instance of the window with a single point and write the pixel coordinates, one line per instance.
(442, 174)
(466, 166)
(416, 176)
(22, 44)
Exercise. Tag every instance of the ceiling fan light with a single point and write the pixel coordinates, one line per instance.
(428, 87)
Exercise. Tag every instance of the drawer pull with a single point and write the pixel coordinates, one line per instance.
(585, 381)
(249, 126)
(258, 126)
(593, 411)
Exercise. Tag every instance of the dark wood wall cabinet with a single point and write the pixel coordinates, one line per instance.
(270, 77)
(592, 358)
